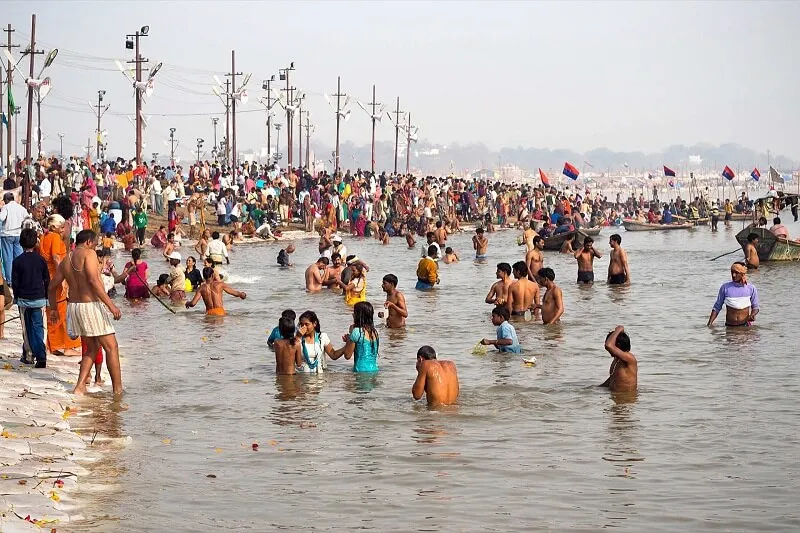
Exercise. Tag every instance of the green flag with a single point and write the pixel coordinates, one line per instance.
(12, 107)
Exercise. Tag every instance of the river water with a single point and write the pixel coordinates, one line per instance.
(710, 443)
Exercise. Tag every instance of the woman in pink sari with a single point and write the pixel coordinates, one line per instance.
(134, 276)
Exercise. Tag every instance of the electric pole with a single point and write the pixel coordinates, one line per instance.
(375, 115)
(199, 147)
(277, 141)
(88, 148)
(214, 121)
(138, 61)
(172, 146)
(284, 75)
(61, 141)
(228, 122)
(397, 126)
(309, 128)
(9, 79)
(408, 145)
(26, 185)
(267, 86)
(232, 85)
(338, 96)
(101, 110)
(300, 124)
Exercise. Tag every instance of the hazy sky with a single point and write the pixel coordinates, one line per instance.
(627, 75)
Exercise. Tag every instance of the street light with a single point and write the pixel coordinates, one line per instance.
(214, 121)
(61, 139)
(199, 146)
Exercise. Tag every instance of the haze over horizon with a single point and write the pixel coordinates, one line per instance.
(573, 76)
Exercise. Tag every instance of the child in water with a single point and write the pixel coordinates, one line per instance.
(450, 256)
(161, 287)
(362, 343)
(506, 334)
(287, 350)
(276, 331)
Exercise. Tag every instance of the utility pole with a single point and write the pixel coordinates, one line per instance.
(374, 106)
(408, 145)
(397, 115)
(9, 116)
(338, 96)
(26, 185)
(101, 110)
(214, 121)
(267, 86)
(277, 141)
(300, 148)
(308, 128)
(284, 75)
(61, 141)
(172, 146)
(199, 147)
(228, 122)
(232, 85)
(138, 61)
(88, 147)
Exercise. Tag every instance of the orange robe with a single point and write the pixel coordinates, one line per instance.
(52, 245)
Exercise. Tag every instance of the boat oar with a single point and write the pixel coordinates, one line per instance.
(729, 253)
(168, 308)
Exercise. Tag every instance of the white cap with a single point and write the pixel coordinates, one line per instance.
(336, 238)
(175, 255)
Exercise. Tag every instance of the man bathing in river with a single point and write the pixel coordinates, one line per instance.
(211, 292)
(585, 257)
(739, 297)
(437, 380)
(622, 376)
(553, 300)
(618, 273)
(315, 275)
(395, 303)
(498, 292)
(86, 315)
(480, 243)
(751, 252)
(523, 294)
(534, 259)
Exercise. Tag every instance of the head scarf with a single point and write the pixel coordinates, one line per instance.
(740, 269)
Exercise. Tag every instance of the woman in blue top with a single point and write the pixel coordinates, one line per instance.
(362, 342)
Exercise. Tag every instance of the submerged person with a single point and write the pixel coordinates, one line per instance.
(283, 256)
(211, 291)
(275, 334)
(553, 299)
(176, 278)
(534, 259)
(450, 256)
(506, 340)
(362, 344)
(437, 380)
(622, 376)
(751, 252)
(314, 344)
(427, 271)
(618, 272)
(287, 349)
(739, 297)
(316, 275)
(395, 303)
(523, 294)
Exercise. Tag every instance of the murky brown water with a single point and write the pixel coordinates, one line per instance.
(710, 443)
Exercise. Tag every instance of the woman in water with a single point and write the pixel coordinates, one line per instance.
(193, 275)
(314, 344)
(134, 276)
(362, 343)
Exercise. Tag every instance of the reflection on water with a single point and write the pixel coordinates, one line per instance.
(526, 448)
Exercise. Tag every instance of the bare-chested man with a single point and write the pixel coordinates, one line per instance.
(395, 303)
(585, 257)
(534, 259)
(528, 236)
(315, 274)
(618, 272)
(195, 201)
(624, 368)
(86, 314)
(751, 252)
(211, 292)
(333, 273)
(201, 247)
(498, 293)
(523, 294)
(437, 380)
(440, 234)
(553, 300)
(480, 243)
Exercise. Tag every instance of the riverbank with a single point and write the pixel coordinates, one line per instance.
(47, 439)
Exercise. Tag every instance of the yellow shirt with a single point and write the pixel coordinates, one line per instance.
(108, 242)
(427, 270)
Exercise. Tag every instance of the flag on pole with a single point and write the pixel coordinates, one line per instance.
(545, 179)
(12, 107)
(649, 176)
(728, 173)
(668, 171)
(671, 183)
(755, 174)
(775, 176)
(570, 171)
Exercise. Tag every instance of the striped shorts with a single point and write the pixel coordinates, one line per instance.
(88, 319)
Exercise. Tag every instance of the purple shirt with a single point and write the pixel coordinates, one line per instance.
(737, 296)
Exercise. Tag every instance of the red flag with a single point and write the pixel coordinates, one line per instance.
(728, 173)
(544, 178)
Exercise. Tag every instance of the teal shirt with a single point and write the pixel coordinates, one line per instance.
(365, 355)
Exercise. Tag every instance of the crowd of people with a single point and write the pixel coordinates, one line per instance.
(60, 253)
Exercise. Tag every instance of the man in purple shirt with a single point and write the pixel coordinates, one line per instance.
(739, 297)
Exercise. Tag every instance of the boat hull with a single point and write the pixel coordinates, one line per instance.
(769, 247)
(644, 226)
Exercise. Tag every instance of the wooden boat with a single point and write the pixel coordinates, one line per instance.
(693, 221)
(557, 241)
(632, 225)
(770, 248)
(593, 232)
(737, 216)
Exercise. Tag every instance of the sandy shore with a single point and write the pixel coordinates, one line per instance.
(42, 453)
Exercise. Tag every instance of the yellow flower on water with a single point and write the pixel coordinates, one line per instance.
(218, 450)
(167, 441)
(54, 496)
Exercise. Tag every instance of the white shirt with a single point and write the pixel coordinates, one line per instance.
(12, 214)
(216, 248)
(45, 188)
(156, 187)
(314, 351)
(221, 207)
(171, 195)
(425, 247)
